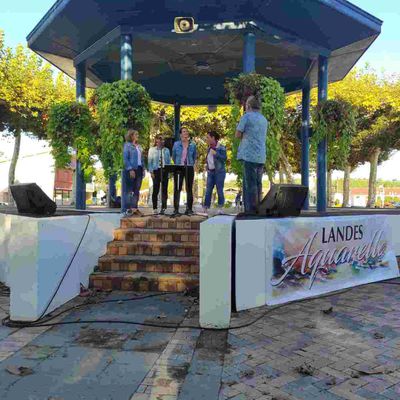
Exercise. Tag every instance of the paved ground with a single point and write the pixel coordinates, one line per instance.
(351, 351)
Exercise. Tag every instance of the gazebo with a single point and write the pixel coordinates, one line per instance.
(301, 43)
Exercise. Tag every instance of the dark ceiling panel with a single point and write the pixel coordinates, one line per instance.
(194, 60)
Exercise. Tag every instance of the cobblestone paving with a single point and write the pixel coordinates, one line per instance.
(350, 353)
(295, 352)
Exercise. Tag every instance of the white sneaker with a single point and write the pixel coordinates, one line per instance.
(220, 211)
(127, 213)
(155, 212)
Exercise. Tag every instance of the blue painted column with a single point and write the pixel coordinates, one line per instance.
(249, 53)
(305, 138)
(126, 75)
(177, 120)
(322, 146)
(126, 57)
(80, 186)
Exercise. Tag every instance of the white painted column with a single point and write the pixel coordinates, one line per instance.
(216, 272)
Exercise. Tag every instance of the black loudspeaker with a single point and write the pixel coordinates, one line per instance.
(283, 201)
(30, 199)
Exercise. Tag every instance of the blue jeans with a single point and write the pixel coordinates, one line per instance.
(252, 185)
(215, 179)
(132, 189)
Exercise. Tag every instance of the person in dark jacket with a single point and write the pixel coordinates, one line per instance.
(216, 171)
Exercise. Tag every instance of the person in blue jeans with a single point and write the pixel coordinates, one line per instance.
(132, 173)
(216, 171)
(252, 132)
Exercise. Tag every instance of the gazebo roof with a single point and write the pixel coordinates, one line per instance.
(192, 68)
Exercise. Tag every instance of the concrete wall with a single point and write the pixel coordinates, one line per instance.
(35, 253)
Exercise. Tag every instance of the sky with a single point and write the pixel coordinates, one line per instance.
(19, 17)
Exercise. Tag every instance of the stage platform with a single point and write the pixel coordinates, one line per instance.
(70, 210)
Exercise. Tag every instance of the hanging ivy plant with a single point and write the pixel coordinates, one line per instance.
(120, 105)
(71, 126)
(272, 95)
(334, 120)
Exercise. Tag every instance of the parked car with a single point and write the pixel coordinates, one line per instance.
(2, 203)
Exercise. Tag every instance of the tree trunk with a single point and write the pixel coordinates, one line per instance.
(281, 176)
(372, 178)
(287, 168)
(271, 178)
(330, 193)
(346, 186)
(203, 194)
(13, 164)
(196, 187)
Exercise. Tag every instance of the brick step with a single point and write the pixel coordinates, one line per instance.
(179, 249)
(164, 264)
(156, 235)
(162, 222)
(143, 281)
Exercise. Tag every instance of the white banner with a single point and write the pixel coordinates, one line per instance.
(311, 256)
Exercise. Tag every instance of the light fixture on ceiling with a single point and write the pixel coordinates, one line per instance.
(184, 25)
(277, 37)
(202, 65)
(208, 87)
(140, 72)
(268, 68)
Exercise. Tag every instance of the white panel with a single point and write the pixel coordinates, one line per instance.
(215, 272)
(38, 252)
(250, 263)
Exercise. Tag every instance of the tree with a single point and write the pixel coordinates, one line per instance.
(27, 90)
(377, 142)
(291, 145)
(335, 121)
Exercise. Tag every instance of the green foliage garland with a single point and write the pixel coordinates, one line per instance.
(272, 96)
(121, 105)
(334, 120)
(71, 126)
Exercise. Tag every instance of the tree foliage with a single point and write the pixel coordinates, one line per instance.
(335, 121)
(121, 105)
(291, 144)
(71, 126)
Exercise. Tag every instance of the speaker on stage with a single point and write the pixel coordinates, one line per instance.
(283, 201)
(30, 199)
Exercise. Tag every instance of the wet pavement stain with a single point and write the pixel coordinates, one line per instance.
(100, 338)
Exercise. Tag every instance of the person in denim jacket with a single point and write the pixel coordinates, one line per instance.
(216, 172)
(159, 157)
(252, 132)
(133, 171)
(184, 153)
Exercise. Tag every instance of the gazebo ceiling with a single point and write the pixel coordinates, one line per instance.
(192, 68)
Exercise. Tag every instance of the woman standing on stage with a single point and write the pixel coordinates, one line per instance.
(216, 171)
(159, 157)
(184, 153)
(133, 171)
